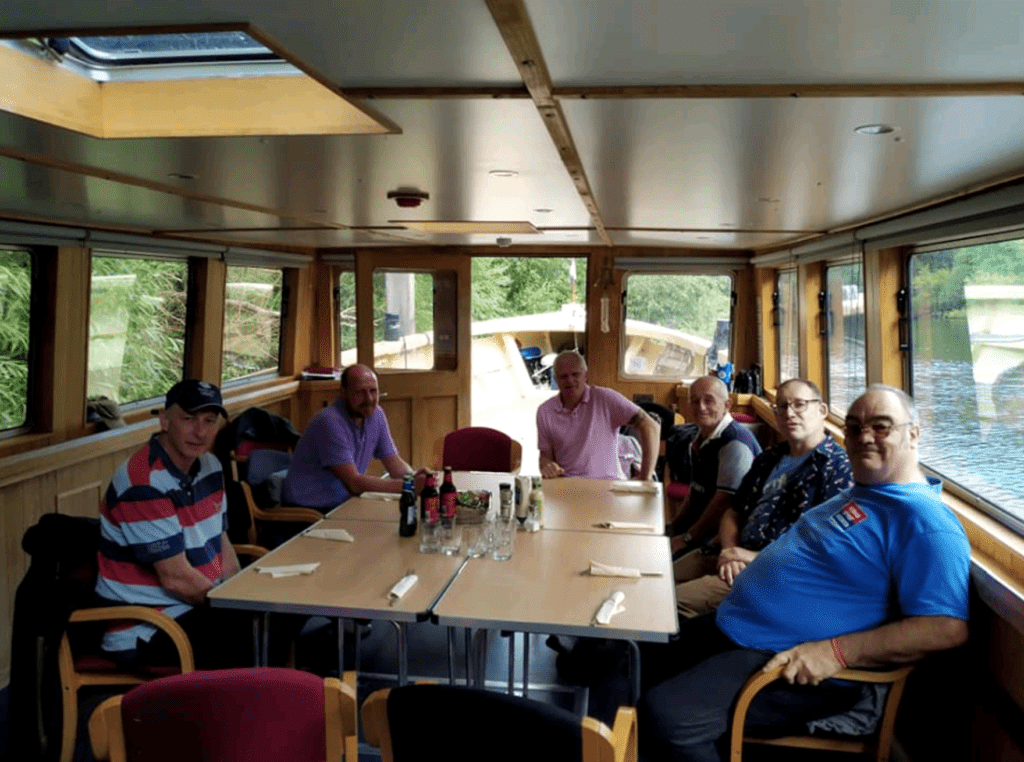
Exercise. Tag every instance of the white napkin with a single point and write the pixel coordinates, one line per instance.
(402, 586)
(380, 496)
(323, 533)
(598, 569)
(624, 525)
(649, 488)
(611, 607)
(288, 571)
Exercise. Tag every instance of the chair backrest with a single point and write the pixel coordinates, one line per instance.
(477, 725)
(478, 448)
(227, 715)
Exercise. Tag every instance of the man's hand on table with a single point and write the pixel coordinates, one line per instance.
(550, 470)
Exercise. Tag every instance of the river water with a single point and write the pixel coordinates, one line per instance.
(982, 452)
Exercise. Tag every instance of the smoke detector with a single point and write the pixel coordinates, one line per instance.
(408, 198)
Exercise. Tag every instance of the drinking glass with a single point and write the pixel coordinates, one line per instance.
(451, 537)
(478, 539)
(504, 538)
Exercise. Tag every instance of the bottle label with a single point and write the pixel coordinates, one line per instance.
(430, 507)
(448, 504)
(410, 514)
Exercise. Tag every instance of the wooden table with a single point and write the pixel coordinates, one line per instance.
(574, 503)
(570, 503)
(352, 581)
(541, 590)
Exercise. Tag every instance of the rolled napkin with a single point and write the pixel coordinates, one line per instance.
(611, 607)
(380, 496)
(288, 571)
(624, 525)
(323, 533)
(598, 569)
(402, 586)
(649, 488)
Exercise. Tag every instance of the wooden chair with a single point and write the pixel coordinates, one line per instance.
(478, 448)
(257, 514)
(876, 746)
(476, 724)
(92, 667)
(230, 715)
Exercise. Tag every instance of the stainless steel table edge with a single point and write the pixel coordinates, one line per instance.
(547, 628)
(396, 615)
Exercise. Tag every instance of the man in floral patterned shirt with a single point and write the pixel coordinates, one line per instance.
(783, 482)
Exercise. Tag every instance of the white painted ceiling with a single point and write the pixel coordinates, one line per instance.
(714, 173)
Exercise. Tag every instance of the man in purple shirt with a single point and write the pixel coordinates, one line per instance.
(331, 458)
(577, 430)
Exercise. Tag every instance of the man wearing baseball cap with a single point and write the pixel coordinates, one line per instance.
(163, 538)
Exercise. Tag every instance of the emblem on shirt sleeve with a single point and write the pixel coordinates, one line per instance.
(847, 516)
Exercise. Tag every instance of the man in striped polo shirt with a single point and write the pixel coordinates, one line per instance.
(163, 538)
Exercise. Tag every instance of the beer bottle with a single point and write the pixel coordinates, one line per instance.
(407, 508)
(448, 495)
(429, 517)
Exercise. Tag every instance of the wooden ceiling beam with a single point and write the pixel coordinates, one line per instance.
(517, 31)
(848, 90)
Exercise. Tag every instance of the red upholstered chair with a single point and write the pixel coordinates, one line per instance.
(229, 716)
(478, 448)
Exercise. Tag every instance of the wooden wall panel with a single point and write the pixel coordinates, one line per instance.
(883, 278)
(83, 500)
(767, 338)
(204, 356)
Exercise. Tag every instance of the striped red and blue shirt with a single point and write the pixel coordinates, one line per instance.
(152, 511)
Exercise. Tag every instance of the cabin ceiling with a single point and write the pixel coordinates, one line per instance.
(730, 170)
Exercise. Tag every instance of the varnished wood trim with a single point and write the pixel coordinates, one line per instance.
(768, 339)
(883, 278)
(297, 328)
(810, 280)
(204, 355)
(28, 465)
(37, 89)
(514, 24)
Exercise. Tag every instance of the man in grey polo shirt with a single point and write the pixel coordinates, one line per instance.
(331, 458)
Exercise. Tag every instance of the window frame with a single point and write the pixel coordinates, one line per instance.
(691, 271)
(980, 503)
(37, 307)
(269, 373)
(826, 335)
(794, 318)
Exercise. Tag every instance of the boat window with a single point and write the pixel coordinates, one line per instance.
(676, 326)
(345, 302)
(967, 367)
(137, 313)
(252, 321)
(843, 313)
(403, 320)
(15, 307)
(784, 317)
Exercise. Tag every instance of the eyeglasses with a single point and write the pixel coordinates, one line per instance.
(880, 428)
(797, 405)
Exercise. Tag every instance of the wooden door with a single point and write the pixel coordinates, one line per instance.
(422, 405)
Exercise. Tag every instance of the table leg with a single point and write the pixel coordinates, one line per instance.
(403, 653)
(468, 635)
(451, 655)
(341, 646)
(265, 641)
(511, 663)
(526, 665)
(480, 657)
(633, 652)
(257, 654)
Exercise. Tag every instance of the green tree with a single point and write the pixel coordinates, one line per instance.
(15, 301)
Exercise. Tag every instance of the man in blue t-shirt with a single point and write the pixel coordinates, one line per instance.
(874, 576)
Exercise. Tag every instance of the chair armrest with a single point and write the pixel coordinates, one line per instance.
(251, 551)
(375, 722)
(618, 744)
(342, 725)
(106, 736)
(143, 614)
(290, 513)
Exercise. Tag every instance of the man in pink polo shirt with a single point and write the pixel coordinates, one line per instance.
(577, 430)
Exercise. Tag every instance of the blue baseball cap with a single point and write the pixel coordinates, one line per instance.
(193, 395)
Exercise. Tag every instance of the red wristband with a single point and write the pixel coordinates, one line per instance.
(838, 651)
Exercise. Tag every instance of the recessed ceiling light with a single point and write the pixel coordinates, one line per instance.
(874, 129)
(503, 173)
(542, 211)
